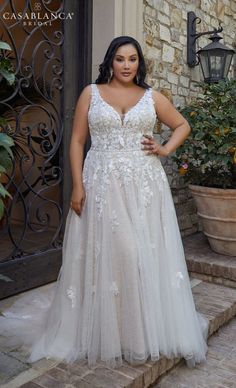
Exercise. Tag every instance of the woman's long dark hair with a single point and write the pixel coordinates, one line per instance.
(106, 65)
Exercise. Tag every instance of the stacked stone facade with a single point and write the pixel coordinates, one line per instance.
(165, 49)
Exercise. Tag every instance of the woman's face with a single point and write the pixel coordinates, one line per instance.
(125, 63)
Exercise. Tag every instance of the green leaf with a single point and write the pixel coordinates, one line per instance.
(199, 135)
(10, 77)
(224, 147)
(4, 192)
(5, 139)
(5, 159)
(5, 46)
(2, 169)
(6, 142)
(3, 121)
(8, 149)
(210, 147)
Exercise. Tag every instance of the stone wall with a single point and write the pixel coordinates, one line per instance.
(165, 41)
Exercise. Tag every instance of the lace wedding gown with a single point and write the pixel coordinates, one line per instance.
(123, 290)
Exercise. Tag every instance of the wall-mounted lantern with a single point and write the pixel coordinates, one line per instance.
(215, 58)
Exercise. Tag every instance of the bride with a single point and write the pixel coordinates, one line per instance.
(123, 292)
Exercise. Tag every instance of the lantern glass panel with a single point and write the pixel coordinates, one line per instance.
(228, 60)
(216, 64)
(204, 61)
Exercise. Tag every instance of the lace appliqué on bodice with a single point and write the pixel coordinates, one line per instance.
(111, 132)
(116, 148)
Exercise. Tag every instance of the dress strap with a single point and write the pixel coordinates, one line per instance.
(149, 95)
(94, 93)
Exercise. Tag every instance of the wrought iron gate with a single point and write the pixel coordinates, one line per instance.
(38, 113)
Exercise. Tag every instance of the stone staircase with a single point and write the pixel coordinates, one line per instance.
(207, 265)
(213, 280)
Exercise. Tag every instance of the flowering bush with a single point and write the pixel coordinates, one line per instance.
(208, 155)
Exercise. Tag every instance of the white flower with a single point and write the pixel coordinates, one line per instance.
(177, 279)
(114, 289)
(71, 294)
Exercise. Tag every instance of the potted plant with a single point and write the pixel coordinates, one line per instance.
(207, 162)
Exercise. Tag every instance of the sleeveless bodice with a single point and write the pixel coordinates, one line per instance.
(109, 132)
(116, 150)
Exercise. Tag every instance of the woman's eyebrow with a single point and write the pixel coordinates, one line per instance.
(122, 56)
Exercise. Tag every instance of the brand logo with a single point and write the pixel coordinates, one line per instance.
(37, 7)
(38, 17)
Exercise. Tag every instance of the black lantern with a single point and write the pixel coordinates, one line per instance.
(215, 58)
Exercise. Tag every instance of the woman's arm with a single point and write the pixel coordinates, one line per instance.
(168, 115)
(76, 151)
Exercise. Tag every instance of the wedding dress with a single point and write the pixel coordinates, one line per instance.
(123, 291)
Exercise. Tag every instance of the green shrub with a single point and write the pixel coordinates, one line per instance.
(208, 155)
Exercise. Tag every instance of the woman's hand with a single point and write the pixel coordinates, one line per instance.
(153, 147)
(77, 199)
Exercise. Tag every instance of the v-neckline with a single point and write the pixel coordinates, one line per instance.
(123, 115)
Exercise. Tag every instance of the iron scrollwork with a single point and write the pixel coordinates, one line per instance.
(32, 219)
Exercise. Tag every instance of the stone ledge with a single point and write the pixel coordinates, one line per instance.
(207, 265)
(212, 279)
(216, 302)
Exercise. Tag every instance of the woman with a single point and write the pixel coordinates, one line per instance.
(123, 290)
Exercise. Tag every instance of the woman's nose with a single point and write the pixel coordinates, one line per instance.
(126, 65)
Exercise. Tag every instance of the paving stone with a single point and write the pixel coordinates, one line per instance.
(4, 345)
(83, 384)
(131, 372)
(10, 367)
(218, 371)
(79, 369)
(44, 364)
(20, 353)
(146, 370)
(104, 377)
(48, 382)
(59, 374)
(22, 378)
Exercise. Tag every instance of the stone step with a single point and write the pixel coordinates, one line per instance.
(207, 265)
(216, 302)
(219, 371)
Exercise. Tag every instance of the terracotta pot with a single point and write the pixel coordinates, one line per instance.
(217, 211)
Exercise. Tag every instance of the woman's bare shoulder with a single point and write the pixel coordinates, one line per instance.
(159, 97)
(87, 91)
(85, 95)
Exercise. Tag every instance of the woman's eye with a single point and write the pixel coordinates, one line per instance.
(121, 60)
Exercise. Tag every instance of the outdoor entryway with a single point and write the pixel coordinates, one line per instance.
(52, 62)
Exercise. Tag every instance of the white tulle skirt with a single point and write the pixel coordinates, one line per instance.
(123, 291)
